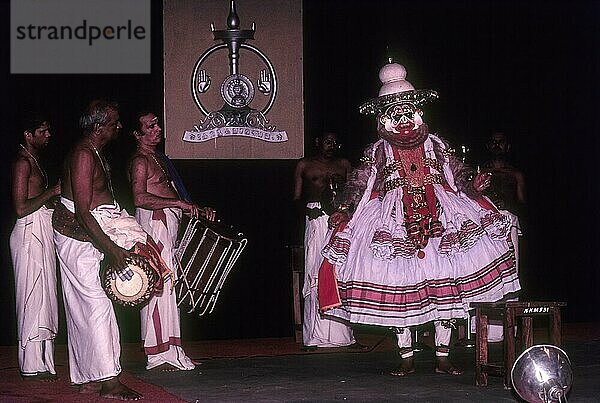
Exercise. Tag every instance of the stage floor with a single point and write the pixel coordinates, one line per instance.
(276, 370)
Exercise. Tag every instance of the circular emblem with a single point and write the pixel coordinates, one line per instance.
(237, 90)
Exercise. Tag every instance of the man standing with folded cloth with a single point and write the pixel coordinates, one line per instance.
(88, 226)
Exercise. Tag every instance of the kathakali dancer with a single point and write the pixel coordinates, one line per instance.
(414, 240)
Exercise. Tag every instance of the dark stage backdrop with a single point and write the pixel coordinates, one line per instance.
(528, 68)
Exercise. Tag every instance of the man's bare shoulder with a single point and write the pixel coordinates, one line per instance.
(305, 160)
(340, 162)
(21, 161)
(138, 158)
(81, 150)
(519, 175)
(303, 163)
(309, 161)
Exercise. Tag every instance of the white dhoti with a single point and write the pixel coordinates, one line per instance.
(317, 330)
(93, 333)
(34, 263)
(160, 317)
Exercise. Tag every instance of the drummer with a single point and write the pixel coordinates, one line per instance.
(80, 223)
(160, 200)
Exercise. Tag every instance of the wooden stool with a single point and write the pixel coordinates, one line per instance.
(297, 266)
(508, 312)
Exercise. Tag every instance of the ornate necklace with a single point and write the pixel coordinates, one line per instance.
(106, 174)
(412, 163)
(37, 164)
(160, 166)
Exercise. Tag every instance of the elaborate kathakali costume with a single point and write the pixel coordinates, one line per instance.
(421, 243)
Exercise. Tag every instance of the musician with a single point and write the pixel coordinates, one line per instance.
(33, 254)
(316, 178)
(507, 187)
(158, 210)
(82, 222)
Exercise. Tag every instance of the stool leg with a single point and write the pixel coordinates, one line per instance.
(527, 331)
(509, 345)
(468, 331)
(297, 300)
(556, 327)
(464, 337)
(481, 346)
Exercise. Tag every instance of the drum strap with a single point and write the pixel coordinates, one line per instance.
(65, 223)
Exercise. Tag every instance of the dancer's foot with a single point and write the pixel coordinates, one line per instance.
(90, 387)
(444, 366)
(406, 367)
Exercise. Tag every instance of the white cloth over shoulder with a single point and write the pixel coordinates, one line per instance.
(317, 330)
(160, 328)
(34, 263)
(120, 227)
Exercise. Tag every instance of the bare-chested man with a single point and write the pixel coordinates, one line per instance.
(33, 254)
(87, 207)
(158, 210)
(507, 188)
(317, 179)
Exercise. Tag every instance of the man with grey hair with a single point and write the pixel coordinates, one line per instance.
(87, 207)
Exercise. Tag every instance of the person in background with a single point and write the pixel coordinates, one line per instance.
(507, 189)
(316, 181)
